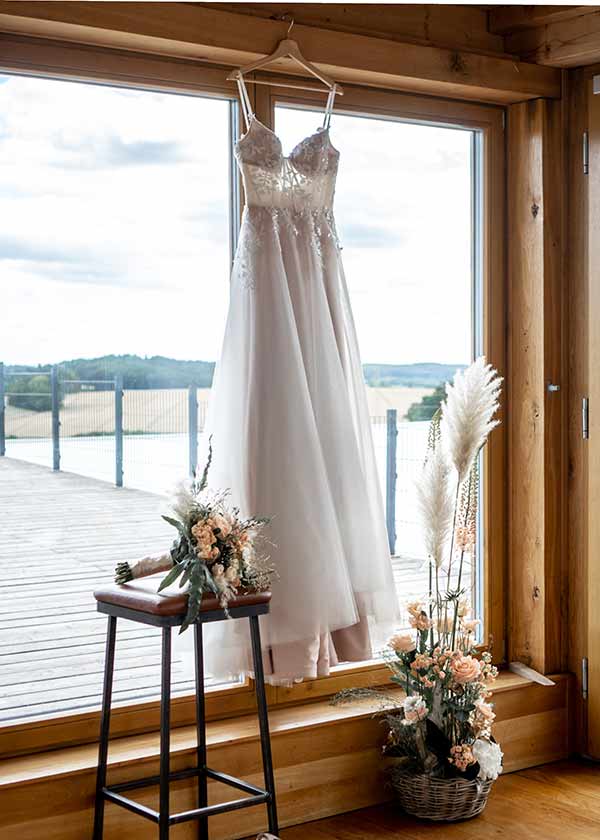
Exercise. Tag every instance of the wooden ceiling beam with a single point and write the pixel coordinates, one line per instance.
(573, 42)
(504, 20)
(188, 31)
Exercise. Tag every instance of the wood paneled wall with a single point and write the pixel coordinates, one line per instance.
(537, 579)
(577, 388)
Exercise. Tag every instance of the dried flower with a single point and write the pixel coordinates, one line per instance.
(435, 500)
(489, 756)
(467, 413)
(420, 622)
(402, 643)
(461, 756)
(465, 669)
(415, 709)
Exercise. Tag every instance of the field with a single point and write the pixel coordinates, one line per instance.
(157, 411)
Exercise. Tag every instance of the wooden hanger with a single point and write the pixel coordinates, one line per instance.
(287, 48)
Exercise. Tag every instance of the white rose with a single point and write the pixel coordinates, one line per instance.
(415, 709)
(489, 755)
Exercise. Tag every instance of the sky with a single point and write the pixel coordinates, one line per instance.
(114, 226)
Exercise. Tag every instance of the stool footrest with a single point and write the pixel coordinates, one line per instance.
(258, 797)
(211, 810)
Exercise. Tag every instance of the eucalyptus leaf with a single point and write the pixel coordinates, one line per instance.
(171, 577)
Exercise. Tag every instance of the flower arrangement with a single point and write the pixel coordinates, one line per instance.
(216, 551)
(442, 730)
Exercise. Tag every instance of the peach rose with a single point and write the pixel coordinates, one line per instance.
(402, 643)
(465, 669)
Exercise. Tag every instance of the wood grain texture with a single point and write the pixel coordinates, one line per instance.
(593, 577)
(568, 42)
(577, 304)
(463, 27)
(537, 582)
(189, 31)
(327, 760)
(505, 20)
(555, 802)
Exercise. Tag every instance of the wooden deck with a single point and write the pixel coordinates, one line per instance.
(62, 535)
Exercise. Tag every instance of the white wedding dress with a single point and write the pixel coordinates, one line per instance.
(289, 422)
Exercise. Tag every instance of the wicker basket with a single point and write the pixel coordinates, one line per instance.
(439, 799)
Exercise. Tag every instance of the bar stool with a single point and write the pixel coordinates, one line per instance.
(139, 601)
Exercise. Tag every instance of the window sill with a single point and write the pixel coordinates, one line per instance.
(127, 751)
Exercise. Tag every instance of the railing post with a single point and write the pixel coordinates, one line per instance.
(390, 477)
(119, 431)
(55, 396)
(193, 428)
(2, 414)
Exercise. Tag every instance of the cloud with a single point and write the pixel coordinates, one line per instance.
(112, 152)
(360, 235)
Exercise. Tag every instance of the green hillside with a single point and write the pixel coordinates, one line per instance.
(160, 372)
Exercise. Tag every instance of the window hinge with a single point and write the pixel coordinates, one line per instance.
(586, 153)
(584, 678)
(585, 418)
(596, 84)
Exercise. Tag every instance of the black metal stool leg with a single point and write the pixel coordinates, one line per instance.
(201, 732)
(109, 666)
(165, 741)
(263, 722)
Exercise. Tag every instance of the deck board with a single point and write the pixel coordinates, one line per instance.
(62, 535)
(71, 531)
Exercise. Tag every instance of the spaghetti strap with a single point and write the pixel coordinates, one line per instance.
(329, 107)
(245, 100)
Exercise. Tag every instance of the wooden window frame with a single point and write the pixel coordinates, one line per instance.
(53, 59)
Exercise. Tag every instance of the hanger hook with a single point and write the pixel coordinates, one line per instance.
(290, 17)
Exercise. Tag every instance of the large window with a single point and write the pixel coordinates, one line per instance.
(119, 214)
(115, 254)
(406, 209)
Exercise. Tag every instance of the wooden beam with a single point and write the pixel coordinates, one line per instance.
(593, 444)
(537, 586)
(505, 20)
(566, 43)
(189, 31)
(456, 26)
(578, 387)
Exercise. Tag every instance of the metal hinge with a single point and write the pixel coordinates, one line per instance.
(585, 418)
(596, 84)
(586, 153)
(584, 678)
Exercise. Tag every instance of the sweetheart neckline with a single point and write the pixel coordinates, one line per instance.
(320, 130)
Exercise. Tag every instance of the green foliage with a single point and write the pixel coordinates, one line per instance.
(422, 374)
(31, 392)
(427, 407)
(161, 372)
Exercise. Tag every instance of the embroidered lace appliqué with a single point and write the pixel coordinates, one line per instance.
(294, 192)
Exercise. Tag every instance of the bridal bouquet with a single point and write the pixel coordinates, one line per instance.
(216, 551)
(441, 736)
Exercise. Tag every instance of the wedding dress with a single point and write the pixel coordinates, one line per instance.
(289, 421)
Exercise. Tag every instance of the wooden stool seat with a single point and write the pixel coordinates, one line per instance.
(142, 595)
(140, 601)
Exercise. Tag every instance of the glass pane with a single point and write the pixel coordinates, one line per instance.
(114, 261)
(403, 209)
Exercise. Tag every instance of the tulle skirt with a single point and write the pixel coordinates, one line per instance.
(291, 438)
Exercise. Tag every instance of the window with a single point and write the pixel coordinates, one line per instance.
(115, 255)
(86, 233)
(407, 208)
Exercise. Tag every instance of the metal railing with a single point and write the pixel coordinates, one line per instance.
(146, 438)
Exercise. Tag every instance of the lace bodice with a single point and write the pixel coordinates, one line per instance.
(303, 181)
